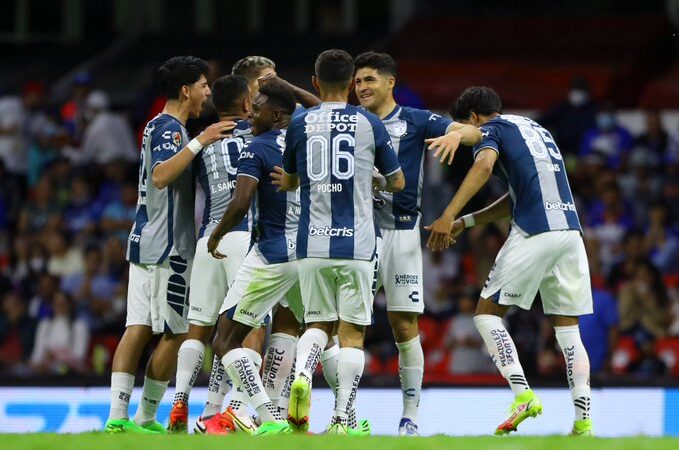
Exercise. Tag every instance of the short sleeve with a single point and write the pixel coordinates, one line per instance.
(289, 154)
(436, 125)
(251, 163)
(166, 141)
(490, 138)
(386, 160)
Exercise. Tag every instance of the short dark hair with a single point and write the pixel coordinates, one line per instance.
(227, 90)
(335, 67)
(251, 66)
(179, 71)
(382, 62)
(280, 96)
(480, 100)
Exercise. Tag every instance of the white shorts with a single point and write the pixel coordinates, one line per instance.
(211, 277)
(157, 295)
(259, 287)
(337, 288)
(554, 262)
(400, 269)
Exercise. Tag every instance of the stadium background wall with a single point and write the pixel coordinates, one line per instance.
(477, 410)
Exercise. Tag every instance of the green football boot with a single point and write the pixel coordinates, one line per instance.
(525, 405)
(126, 426)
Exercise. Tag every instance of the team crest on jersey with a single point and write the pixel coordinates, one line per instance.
(398, 128)
(176, 138)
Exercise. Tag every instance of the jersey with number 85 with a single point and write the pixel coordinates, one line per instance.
(333, 148)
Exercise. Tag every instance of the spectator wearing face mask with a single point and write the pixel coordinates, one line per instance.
(608, 139)
(568, 121)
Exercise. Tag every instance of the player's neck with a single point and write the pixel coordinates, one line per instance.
(385, 108)
(334, 96)
(177, 109)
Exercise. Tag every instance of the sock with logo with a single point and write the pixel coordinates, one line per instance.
(349, 372)
(122, 385)
(245, 376)
(284, 400)
(217, 388)
(309, 350)
(238, 397)
(411, 371)
(502, 350)
(577, 368)
(278, 360)
(151, 397)
(189, 363)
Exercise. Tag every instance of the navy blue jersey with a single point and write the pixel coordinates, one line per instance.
(408, 128)
(531, 165)
(333, 148)
(217, 170)
(276, 213)
(163, 223)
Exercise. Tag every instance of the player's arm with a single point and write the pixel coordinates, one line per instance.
(238, 208)
(304, 97)
(476, 178)
(445, 146)
(285, 181)
(167, 170)
(396, 182)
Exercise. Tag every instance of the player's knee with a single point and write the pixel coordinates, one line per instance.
(405, 326)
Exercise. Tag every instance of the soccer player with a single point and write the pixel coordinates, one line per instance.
(211, 278)
(268, 275)
(398, 216)
(544, 251)
(330, 151)
(161, 244)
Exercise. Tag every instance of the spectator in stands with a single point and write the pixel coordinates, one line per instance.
(65, 259)
(642, 180)
(118, 215)
(655, 138)
(115, 262)
(17, 333)
(40, 212)
(42, 303)
(61, 341)
(107, 136)
(29, 261)
(82, 213)
(661, 241)
(643, 306)
(12, 113)
(599, 331)
(634, 252)
(607, 138)
(462, 340)
(568, 121)
(72, 111)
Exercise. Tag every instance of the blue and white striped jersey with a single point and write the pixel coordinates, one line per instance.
(276, 213)
(531, 165)
(164, 220)
(333, 147)
(217, 169)
(408, 128)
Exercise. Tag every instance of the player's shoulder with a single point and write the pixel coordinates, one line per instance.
(372, 118)
(243, 128)
(165, 129)
(265, 141)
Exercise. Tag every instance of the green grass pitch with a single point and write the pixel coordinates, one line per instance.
(100, 441)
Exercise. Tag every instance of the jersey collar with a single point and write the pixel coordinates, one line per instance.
(394, 112)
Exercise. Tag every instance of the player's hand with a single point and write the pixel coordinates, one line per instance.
(445, 146)
(216, 131)
(212, 244)
(441, 234)
(261, 81)
(283, 180)
(379, 182)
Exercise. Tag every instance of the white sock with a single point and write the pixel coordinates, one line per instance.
(503, 351)
(329, 361)
(122, 385)
(309, 350)
(245, 376)
(189, 363)
(151, 397)
(284, 400)
(349, 371)
(238, 396)
(577, 368)
(279, 358)
(218, 386)
(411, 371)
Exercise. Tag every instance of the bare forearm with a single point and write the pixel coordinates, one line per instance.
(470, 135)
(305, 98)
(499, 209)
(395, 182)
(476, 178)
(168, 171)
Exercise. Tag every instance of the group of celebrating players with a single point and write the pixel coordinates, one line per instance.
(312, 204)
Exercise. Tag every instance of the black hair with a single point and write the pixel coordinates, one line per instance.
(480, 100)
(228, 90)
(251, 66)
(335, 67)
(280, 96)
(180, 71)
(382, 62)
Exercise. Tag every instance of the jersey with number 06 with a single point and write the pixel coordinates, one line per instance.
(164, 218)
(217, 171)
(532, 166)
(333, 148)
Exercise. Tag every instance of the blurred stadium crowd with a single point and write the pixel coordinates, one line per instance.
(68, 187)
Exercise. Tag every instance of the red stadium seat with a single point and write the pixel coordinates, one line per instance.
(668, 350)
(624, 354)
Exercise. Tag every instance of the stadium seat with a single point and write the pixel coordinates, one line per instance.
(668, 350)
(624, 354)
